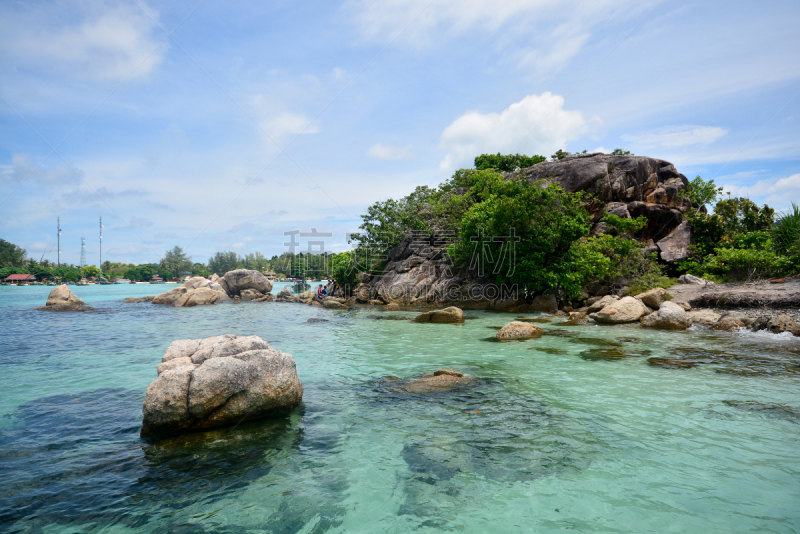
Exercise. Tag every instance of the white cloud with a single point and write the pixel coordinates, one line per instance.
(23, 167)
(288, 124)
(538, 124)
(102, 40)
(777, 193)
(380, 151)
(678, 136)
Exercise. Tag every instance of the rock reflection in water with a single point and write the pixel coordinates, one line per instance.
(779, 411)
(785, 362)
(78, 459)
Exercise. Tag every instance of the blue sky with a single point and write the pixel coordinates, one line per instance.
(219, 127)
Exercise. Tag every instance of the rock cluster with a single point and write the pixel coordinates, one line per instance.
(239, 284)
(62, 299)
(219, 381)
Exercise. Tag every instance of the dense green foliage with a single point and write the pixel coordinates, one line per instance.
(739, 239)
(786, 232)
(11, 255)
(620, 152)
(343, 269)
(506, 163)
(175, 263)
(526, 229)
(142, 273)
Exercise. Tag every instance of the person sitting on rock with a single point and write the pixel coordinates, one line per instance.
(322, 292)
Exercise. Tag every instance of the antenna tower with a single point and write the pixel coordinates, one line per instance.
(83, 252)
(101, 244)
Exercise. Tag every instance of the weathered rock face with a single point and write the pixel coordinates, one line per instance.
(519, 330)
(777, 324)
(62, 299)
(625, 310)
(196, 282)
(447, 315)
(653, 298)
(234, 282)
(200, 297)
(169, 297)
(602, 303)
(219, 381)
(627, 186)
(421, 273)
(728, 324)
(691, 279)
(706, 317)
(545, 303)
(669, 316)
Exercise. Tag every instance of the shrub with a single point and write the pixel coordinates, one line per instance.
(526, 229)
(786, 232)
(622, 261)
(506, 163)
(343, 269)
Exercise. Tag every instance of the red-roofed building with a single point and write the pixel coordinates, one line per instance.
(20, 278)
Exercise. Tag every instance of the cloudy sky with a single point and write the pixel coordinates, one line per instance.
(219, 127)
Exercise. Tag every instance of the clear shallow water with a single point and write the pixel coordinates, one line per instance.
(550, 437)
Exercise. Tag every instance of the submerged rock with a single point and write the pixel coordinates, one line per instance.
(62, 299)
(219, 381)
(519, 330)
(439, 380)
(625, 310)
(134, 300)
(447, 315)
(669, 316)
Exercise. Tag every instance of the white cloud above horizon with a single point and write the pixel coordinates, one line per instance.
(389, 152)
(537, 124)
(96, 41)
(678, 136)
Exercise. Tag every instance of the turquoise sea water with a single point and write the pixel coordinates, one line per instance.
(558, 433)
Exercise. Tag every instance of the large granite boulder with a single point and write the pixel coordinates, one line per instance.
(627, 186)
(200, 297)
(62, 299)
(777, 324)
(196, 282)
(545, 303)
(234, 282)
(704, 316)
(519, 330)
(653, 298)
(602, 303)
(675, 247)
(669, 316)
(219, 381)
(728, 323)
(169, 297)
(691, 279)
(62, 296)
(447, 315)
(625, 310)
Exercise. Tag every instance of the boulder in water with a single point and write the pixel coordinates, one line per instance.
(234, 282)
(519, 330)
(446, 315)
(601, 303)
(62, 299)
(625, 310)
(704, 316)
(169, 297)
(669, 316)
(219, 381)
(200, 297)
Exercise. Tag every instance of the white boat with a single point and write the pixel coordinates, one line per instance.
(122, 281)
